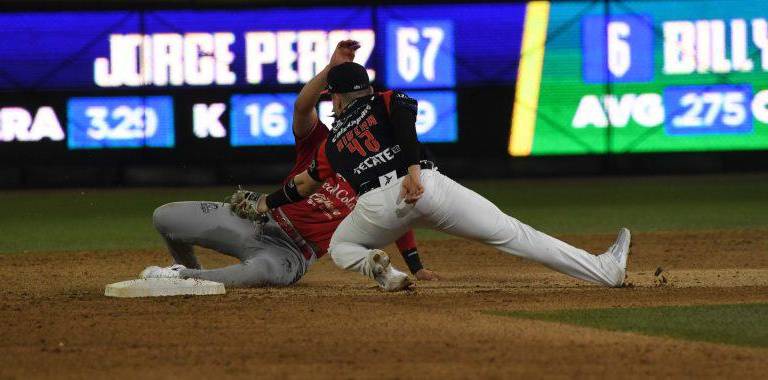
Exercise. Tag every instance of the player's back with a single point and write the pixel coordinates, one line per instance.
(362, 146)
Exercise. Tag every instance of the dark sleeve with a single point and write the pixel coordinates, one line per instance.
(406, 244)
(402, 113)
(320, 168)
(289, 193)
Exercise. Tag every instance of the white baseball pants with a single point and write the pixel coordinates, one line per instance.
(381, 216)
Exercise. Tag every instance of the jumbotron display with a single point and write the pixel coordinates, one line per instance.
(122, 79)
(646, 76)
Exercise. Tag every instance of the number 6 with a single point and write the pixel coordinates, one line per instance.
(619, 52)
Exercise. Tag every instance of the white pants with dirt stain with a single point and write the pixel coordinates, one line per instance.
(381, 216)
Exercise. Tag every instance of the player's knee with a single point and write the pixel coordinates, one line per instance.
(333, 252)
(339, 258)
(164, 216)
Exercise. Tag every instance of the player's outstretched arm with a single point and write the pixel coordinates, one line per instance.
(407, 246)
(294, 190)
(302, 185)
(304, 113)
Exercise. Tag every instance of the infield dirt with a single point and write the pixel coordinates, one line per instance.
(55, 321)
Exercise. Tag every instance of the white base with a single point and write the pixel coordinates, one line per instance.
(159, 287)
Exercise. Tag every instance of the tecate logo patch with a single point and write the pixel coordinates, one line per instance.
(385, 155)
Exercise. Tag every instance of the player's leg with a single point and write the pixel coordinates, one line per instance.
(452, 208)
(271, 266)
(212, 225)
(354, 245)
(267, 255)
(355, 242)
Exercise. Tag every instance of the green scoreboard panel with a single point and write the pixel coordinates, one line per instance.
(642, 76)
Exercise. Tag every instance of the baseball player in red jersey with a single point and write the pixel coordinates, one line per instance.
(278, 249)
(373, 145)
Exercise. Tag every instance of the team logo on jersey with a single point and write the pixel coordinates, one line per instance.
(340, 192)
(322, 203)
(208, 207)
(386, 179)
(384, 156)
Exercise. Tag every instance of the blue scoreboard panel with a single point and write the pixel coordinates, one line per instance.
(134, 79)
(120, 122)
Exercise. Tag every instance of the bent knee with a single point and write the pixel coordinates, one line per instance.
(341, 256)
(164, 216)
(334, 255)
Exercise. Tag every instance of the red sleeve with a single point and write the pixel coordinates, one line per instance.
(306, 147)
(387, 96)
(320, 168)
(406, 242)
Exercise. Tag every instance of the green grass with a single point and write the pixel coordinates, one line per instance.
(98, 219)
(45, 220)
(741, 324)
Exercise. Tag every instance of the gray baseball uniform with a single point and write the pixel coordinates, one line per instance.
(267, 255)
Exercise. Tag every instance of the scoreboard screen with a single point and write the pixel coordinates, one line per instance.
(642, 76)
(141, 79)
(589, 78)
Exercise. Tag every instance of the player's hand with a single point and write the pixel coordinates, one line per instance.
(261, 204)
(426, 275)
(345, 52)
(411, 189)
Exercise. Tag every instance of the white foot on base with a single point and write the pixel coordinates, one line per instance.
(159, 287)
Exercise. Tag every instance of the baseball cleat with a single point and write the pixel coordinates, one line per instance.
(388, 278)
(619, 252)
(173, 271)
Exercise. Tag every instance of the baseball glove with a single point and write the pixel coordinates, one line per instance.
(243, 204)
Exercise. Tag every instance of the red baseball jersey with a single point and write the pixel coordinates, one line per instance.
(316, 217)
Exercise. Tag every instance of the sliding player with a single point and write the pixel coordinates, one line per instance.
(278, 249)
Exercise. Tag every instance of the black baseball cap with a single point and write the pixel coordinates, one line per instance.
(347, 77)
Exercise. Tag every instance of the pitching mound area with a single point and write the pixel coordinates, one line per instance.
(56, 322)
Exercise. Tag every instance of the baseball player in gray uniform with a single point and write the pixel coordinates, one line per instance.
(373, 145)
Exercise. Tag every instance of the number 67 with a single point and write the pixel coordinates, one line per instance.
(409, 60)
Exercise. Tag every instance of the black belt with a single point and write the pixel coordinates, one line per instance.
(401, 172)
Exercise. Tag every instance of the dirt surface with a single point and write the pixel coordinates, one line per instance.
(55, 322)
